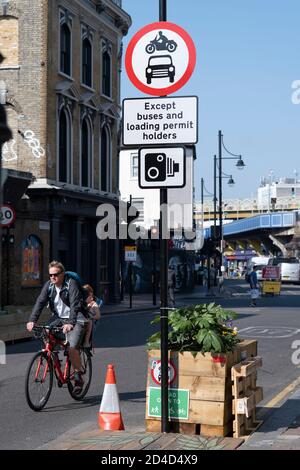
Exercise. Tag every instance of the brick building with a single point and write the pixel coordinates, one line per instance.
(60, 84)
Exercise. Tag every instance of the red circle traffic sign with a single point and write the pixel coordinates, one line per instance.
(7, 215)
(156, 372)
(151, 63)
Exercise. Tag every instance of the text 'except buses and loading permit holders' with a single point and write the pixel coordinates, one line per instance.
(153, 121)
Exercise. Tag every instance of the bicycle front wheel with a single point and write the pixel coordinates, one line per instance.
(86, 366)
(39, 381)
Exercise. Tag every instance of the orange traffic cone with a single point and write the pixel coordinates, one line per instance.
(110, 418)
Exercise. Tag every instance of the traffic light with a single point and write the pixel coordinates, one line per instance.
(215, 233)
(208, 248)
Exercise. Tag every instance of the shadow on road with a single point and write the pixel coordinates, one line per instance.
(134, 397)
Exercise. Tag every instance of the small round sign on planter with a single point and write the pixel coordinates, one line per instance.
(160, 58)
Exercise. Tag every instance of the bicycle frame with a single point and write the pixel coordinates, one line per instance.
(49, 346)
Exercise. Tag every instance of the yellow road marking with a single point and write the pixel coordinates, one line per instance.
(281, 395)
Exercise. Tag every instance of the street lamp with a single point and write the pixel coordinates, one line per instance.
(240, 165)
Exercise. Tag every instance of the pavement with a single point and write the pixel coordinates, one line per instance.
(279, 431)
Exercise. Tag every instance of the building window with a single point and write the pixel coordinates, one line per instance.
(65, 49)
(64, 151)
(105, 159)
(86, 62)
(134, 165)
(31, 249)
(106, 73)
(86, 153)
(139, 205)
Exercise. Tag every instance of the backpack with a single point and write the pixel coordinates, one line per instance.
(75, 276)
(247, 277)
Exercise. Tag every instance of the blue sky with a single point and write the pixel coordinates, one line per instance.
(247, 60)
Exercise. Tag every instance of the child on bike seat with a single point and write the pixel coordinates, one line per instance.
(94, 312)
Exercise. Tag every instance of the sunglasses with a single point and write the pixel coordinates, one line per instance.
(55, 274)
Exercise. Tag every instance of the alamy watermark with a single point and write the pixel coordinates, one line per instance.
(296, 92)
(296, 354)
(2, 353)
(123, 222)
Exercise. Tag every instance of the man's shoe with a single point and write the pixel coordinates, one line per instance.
(79, 383)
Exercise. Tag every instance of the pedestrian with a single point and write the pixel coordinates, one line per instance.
(171, 287)
(94, 312)
(65, 298)
(253, 286)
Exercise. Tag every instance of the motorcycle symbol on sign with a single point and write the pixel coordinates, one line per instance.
(161, 43)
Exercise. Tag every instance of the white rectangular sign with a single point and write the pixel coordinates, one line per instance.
(162, 167)
(130, 253)
(152, 121)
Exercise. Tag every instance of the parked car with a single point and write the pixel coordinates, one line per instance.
(289, 268)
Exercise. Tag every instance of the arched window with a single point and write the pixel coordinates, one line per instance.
(31, 249)
(105, 160)
(86, 153)
(65, 49)
(64, 152)
(86, 62)
(106, 73)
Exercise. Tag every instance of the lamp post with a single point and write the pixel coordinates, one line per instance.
(240, 165)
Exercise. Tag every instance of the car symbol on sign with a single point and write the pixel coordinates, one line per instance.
(160, 66)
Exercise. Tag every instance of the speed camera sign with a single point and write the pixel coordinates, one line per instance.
(162, 167)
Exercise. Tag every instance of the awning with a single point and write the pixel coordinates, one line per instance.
(14, 184)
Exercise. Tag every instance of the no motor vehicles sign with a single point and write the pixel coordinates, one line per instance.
(160, 58)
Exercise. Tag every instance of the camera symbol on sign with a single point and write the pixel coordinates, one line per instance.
(158, 167)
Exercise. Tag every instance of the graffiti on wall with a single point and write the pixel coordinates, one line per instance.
(9, 151)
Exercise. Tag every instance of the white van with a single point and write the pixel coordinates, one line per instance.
(289, 268)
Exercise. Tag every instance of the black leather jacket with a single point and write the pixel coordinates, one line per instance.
(70, 294)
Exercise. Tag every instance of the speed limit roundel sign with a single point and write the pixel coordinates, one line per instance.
(7, 215)
(160, 58)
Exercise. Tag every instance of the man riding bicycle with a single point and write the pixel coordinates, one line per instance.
(66, 303)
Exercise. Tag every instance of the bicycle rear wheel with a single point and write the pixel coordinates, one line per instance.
(39, 381)
(86, 365)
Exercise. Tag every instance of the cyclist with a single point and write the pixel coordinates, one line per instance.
(65, 300)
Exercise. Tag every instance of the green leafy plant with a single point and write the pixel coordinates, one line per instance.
(198, 328)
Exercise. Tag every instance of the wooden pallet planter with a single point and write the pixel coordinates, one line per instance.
(246, 395)
(208, 379)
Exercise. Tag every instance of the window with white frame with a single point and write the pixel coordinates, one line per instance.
(138, 203)
(134, 166)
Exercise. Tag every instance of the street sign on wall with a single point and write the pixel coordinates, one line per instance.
(156, 121)
(7, 215)
(130, 253)
(160, 58)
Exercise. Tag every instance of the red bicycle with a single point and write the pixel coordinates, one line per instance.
(46, 364)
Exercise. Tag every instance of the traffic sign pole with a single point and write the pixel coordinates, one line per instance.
(164, 285)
